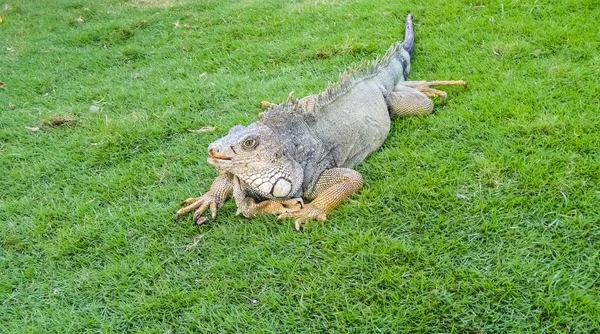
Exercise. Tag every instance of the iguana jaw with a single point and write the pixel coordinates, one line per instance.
(220, 163)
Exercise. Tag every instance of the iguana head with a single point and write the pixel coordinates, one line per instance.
(255, 155)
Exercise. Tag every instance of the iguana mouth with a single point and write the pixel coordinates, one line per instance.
(219, 162)
(216, 159)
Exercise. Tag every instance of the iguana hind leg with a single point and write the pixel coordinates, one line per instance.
(412, 98)
(332, 188)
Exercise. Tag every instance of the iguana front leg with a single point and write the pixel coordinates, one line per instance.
(250, 208)
(220, 190)
(332, 188)
(412, 98)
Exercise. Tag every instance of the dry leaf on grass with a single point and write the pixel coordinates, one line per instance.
(32, 128)
(1, 84)
(203, 129)
(80, 19)
(12, 106)
(60, 120)
(461, 196)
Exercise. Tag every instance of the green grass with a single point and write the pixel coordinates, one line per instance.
(481, 218)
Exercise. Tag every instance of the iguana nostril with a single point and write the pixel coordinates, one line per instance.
(212, 151)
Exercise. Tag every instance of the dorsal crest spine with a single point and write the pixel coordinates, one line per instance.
(349, 78)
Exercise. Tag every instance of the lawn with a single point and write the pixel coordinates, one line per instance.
(484, 217)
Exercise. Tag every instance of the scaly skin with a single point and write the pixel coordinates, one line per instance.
(305, 149)
(333, 187)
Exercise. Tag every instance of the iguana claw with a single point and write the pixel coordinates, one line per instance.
(200, 204)
(219, 191)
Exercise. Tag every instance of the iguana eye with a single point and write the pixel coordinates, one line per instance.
(250, 143)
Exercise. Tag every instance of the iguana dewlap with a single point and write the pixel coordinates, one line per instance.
(304, 150)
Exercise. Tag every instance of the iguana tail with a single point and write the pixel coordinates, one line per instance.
(395, 64)
(409, 35)
(397, 58)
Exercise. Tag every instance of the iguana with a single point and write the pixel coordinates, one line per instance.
(305, 149)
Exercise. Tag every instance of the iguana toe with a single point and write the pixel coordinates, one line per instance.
(189, 204)
(198, 218)
(189, 201)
